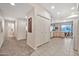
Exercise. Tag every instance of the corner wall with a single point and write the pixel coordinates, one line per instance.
(40, 27)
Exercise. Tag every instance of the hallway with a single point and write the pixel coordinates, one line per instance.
(13, 47)
(56, 47)
(38, 23)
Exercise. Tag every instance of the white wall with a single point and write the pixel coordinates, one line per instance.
(40, 27)
(20, 29)
(43, 20)
(2, 33)
(77, 45)
(31, 36)
(42, 31)
(75, 34)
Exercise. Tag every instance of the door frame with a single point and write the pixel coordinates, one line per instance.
(6, 25)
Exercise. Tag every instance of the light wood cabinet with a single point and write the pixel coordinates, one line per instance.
(58, 34)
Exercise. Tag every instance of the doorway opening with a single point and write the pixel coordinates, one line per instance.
(9, 29)
(62, 30)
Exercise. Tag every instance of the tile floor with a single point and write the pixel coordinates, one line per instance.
(55, 47)
(13, 47)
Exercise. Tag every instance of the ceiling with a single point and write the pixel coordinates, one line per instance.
(19, 10)
(61, 10)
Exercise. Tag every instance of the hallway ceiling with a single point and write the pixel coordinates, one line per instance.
(58, 10)
(61, 10)
(18, 10)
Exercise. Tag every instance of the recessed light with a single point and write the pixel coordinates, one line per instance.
(73, 8)
(12, 4)
(53, 7)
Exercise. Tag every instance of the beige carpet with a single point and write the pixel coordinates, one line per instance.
(13, 47)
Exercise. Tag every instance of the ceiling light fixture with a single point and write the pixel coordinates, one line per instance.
(53, 7)
(12, 4)
(73, 8)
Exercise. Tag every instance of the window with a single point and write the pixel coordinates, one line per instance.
(66, 28)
